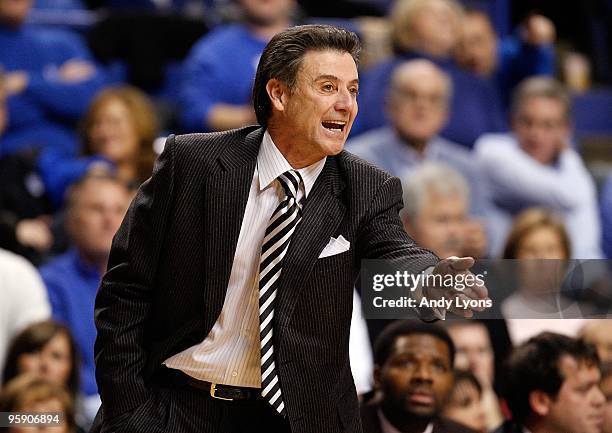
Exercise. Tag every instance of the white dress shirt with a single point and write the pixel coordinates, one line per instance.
(230, 354)
(23, 298)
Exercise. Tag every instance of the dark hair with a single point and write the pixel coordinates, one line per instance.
(32, 339)
(467, 376)
(535, 366)
(282, 58)
(385, 341)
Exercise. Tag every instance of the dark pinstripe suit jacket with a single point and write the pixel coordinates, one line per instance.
(171, 261)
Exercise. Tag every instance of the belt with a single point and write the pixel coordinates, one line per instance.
(215, 390)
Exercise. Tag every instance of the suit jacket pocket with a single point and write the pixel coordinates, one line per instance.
(337, 263)
(133, 420)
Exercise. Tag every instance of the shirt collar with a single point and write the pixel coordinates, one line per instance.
(271, 163)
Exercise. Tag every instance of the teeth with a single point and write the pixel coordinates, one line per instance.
(334, 124)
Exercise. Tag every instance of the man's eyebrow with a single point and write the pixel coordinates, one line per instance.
(334, 78)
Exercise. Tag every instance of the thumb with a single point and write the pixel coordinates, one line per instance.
(460, 263)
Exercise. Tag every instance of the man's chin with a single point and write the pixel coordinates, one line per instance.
(420, 412)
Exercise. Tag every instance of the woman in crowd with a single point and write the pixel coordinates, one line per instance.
(539, 241)
(29, 394)
(117, 133)
(45, 349)
(465, 402)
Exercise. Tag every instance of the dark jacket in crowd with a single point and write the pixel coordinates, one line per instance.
(371, 423)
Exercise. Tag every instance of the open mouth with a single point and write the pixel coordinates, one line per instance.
(334, 125)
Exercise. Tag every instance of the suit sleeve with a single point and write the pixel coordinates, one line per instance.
(383, 235)
(123, 303)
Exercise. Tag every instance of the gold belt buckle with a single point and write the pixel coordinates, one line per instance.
(213, 389)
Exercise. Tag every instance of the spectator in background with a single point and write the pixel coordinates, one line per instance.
(95, 207)
(474, 353)
(31, 394)
(606, 216)
(413, 377)
(417, 104)
(599, 334)
(24, 208)
(435, 213)
(50, 79)
(540, 243)
(606, 388)
(118, 131)
(507, 62)
(464, 405)
(45, 349)
(430, 29)
(219, 72)
(553, 386)
(23, 299)
(536, 166)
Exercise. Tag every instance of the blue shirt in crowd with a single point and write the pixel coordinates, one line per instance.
(475, 107)
(59, 170)
(220, 69)
(518, 60)
(72, 286)
(43, 115)
(606, 216)
(384, 148)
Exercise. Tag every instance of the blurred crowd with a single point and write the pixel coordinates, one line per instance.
(476, 121)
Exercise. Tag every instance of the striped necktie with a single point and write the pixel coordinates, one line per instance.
(275, 244)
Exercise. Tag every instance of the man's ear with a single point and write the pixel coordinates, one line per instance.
(376, 375)
(540, 402)
(277, 91)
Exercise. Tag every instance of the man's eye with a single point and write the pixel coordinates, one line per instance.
(354, 91)
(328, 87)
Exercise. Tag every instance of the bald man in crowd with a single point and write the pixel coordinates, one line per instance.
(417, 103)
(599, 334)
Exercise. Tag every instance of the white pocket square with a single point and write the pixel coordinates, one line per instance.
(335, 246)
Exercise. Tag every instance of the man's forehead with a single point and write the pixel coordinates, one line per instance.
(578, 370)
(420, 344)
(329, 63)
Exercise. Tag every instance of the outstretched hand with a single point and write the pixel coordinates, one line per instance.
(465, 296)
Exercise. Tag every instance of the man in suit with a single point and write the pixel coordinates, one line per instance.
(227, 302)
(413, 376)
(553, 386)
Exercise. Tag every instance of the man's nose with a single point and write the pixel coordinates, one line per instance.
(345, 101)
(423, 373)
(599, 398)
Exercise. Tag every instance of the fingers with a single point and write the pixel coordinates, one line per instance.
(460, 263)
(476, 291)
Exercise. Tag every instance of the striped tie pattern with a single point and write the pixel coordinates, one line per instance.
(275, 244)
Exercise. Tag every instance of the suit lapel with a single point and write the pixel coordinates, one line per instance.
(322, 215)
(226, 194)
